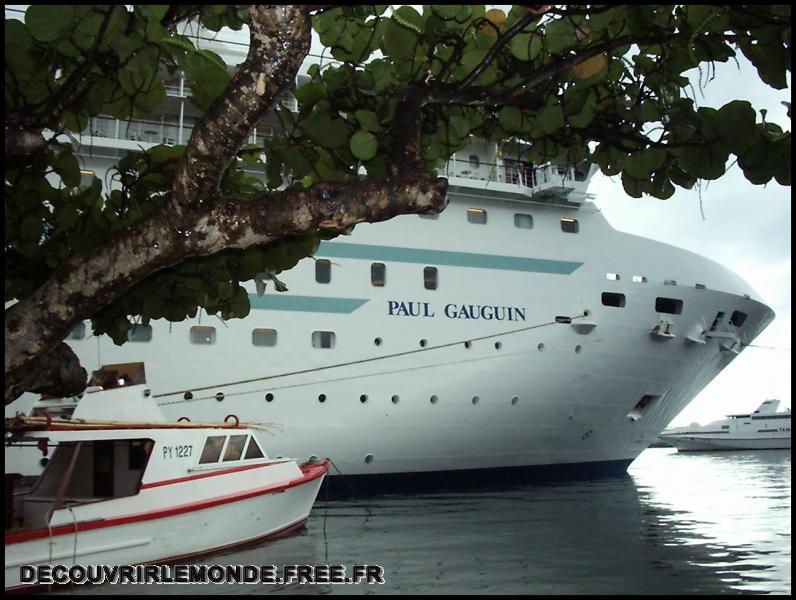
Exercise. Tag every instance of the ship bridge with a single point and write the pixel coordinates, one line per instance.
(481, 169)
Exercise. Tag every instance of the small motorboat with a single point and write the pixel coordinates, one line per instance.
(764, 429)
(118, 491)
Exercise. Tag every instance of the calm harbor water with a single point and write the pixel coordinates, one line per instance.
(676, 524)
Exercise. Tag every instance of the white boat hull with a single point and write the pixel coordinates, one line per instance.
(694, 443)
(142, 539)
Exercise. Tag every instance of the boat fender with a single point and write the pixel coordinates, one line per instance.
(237, 420)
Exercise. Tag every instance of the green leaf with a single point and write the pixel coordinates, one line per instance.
(549, 119)
(364, 145)
(66, 165)
(736, 120)
(511, 119)
(325, 130)
(31, 228)
(526, 46)
(641, 164)
(633, 187)
(587, 112)
(368, 120)
(154, 12)
(707, 162)
(309, 93)
(48, 22)
(18, 44)
(398, 41)
(560, 35)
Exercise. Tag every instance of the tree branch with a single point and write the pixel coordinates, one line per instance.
(85, 283)
(280, 40)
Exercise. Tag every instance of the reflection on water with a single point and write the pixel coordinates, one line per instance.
(676, 524)
(737, 503)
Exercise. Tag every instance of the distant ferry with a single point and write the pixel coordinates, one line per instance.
(763, 429)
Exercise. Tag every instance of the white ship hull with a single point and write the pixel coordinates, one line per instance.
(526, 392)
(693, 443)
(763, 429)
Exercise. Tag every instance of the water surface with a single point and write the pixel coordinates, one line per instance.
(675, 524)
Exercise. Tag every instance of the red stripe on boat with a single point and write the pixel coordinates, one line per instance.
(311, 472)
(145, 486)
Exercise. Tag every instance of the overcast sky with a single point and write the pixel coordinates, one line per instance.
(747, 228)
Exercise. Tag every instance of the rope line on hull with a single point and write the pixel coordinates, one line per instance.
(350, 363)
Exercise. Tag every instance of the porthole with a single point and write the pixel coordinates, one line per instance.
(369, 458)
(220, 396)
(475, 399)
(322, 398)
(540, 347)
(363, 398)
(514, 400)
(423, 343)
(377, 341)
(269, 397)
(395, 399)
(578, 348)
(434, 399)
(498, 345)
(313, 458)
(467, 344)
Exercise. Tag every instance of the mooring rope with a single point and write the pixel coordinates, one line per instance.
(358, 362)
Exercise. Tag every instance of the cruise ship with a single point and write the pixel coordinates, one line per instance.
(515, 332)
(764, 429)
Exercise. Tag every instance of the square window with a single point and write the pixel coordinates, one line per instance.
(323, 339)
(430, 278)
(212, 450)
(264, 337)
(613, 299)
(235, 447)
(476, 215)
(323, 271)
(200, 334)
(523, 221)
(139, 333)
(378, 274)
(668, 305)
(570, 225)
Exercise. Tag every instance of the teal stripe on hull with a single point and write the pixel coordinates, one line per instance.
(305, 303)
(442, 257)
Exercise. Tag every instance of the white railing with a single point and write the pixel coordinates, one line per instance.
(167, 131)
(510, 172)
